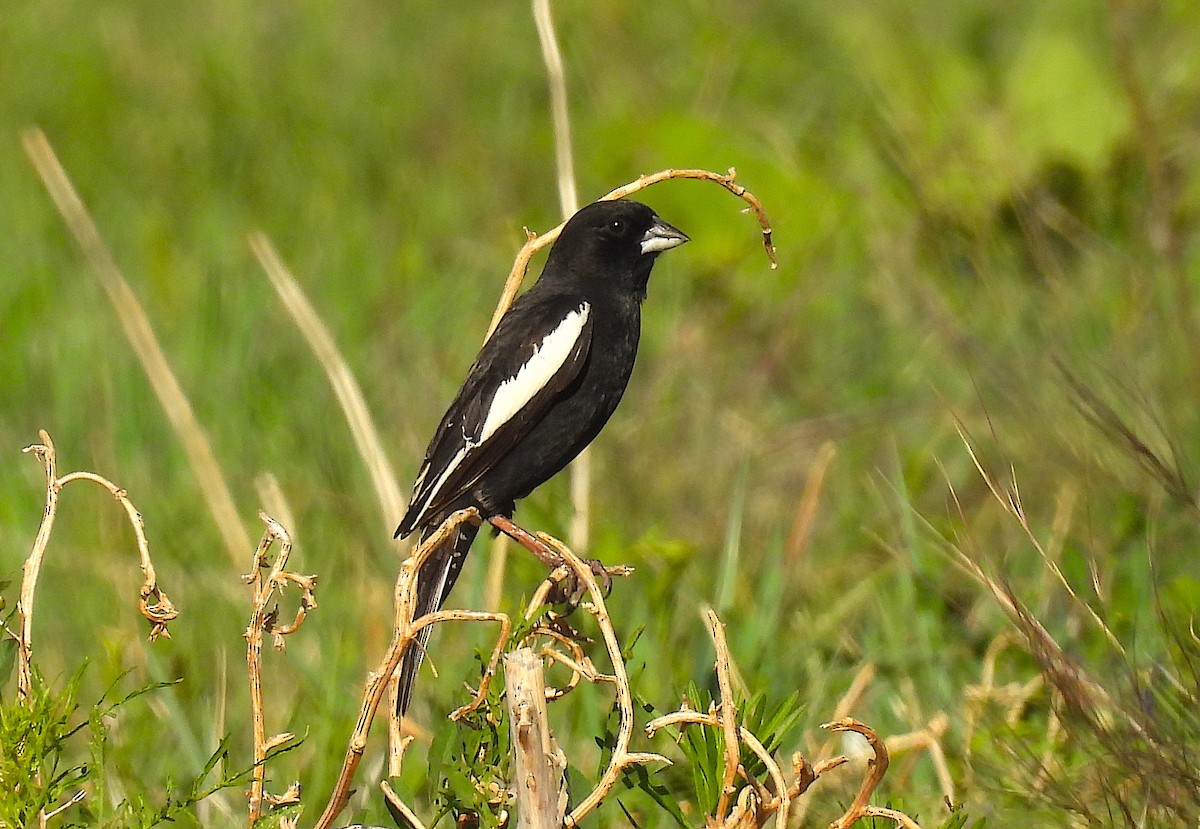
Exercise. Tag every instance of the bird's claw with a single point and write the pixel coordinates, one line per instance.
(570, 590)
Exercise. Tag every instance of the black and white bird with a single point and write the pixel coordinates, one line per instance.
(541, 389)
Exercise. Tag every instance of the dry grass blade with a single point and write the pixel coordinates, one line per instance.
(349, 395)
(136, 325)
(1162, 467)
(1010, 500)
(568, 195)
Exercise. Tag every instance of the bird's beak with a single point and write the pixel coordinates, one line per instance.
(661, 236)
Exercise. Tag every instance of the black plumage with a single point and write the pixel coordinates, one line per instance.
(541, 389)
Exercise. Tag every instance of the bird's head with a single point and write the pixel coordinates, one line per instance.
(614, 242)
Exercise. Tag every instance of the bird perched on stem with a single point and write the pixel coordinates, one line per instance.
(541, 389)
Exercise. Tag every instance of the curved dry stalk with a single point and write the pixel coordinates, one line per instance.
(535, 243)
(541, 595)
(405, 630)
(876, 769)
(757, 804)
(578, 663)
(153, 603)
(622, 757)
(805, 774)
(262, 621)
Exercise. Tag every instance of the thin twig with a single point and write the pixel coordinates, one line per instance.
(400, 806)
(580, 665)
(213, 487)
(153, 603)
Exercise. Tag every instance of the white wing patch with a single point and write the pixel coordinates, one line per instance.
(548, 357)
(515, 393)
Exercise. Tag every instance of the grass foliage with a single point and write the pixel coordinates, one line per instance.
(986, 216)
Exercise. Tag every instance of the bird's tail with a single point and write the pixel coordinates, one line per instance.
(434, 580)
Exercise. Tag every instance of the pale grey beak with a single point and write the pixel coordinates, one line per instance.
(661, 236)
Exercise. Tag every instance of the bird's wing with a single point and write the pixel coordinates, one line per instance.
(535, 353)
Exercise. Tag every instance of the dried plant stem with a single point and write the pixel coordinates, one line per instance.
(539, 765)
(806, 509)
(404, 631)
(341, 378)
(929, 740)
(137, 328)
(273, 500)
(45, 817)
(758, 804)
(262, 620)
(621, 758)
(535, 243)
(580, 665)
(728, 712)
(876, 769)
(153, 604)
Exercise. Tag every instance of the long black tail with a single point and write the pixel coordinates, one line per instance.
(434, 580)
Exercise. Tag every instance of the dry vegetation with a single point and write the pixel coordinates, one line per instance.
(1073, 706)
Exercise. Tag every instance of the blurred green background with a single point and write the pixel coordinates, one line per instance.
(972, 203)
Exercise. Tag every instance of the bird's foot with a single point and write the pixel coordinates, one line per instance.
(570, 589)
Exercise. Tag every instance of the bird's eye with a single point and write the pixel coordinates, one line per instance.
(617, 227)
